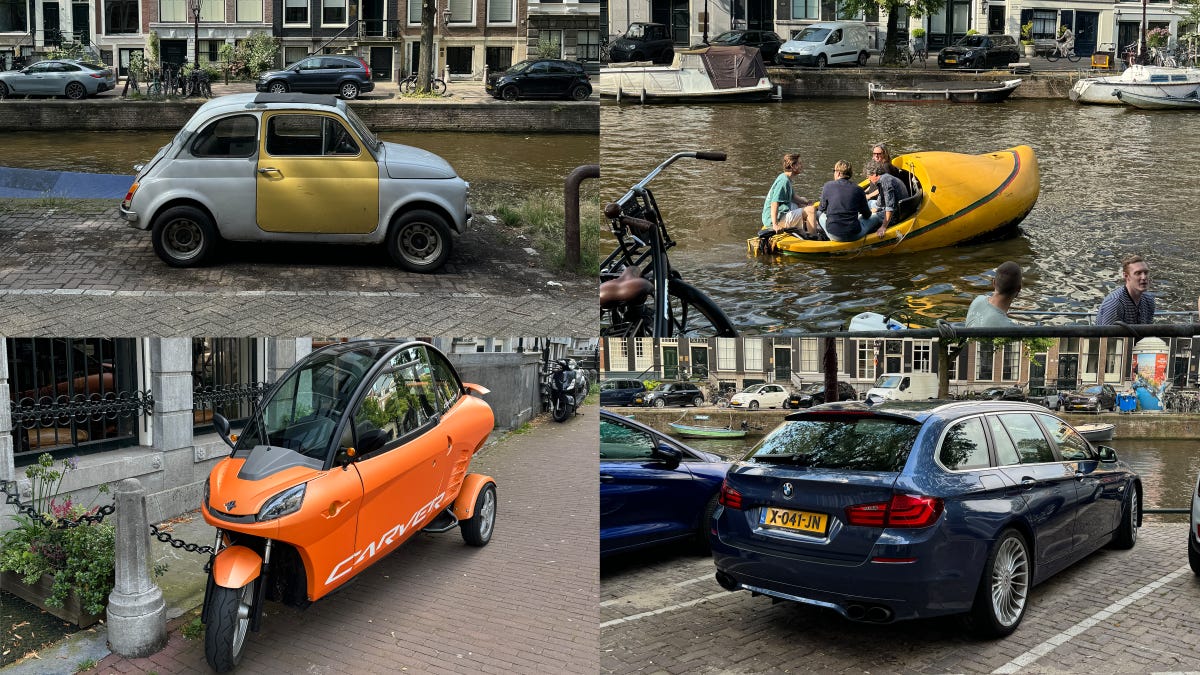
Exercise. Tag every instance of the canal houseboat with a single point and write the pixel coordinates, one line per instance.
(716, 73)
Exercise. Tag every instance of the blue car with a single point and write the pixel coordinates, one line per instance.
(653, 489)
(621, 391)
(919, 509)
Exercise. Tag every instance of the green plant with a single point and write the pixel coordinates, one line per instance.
(917, 33)
(1027, 33)
(79, 558)
(1158, 37)
(67, 50)
(85, 665)
(548, 48)
(259, 52)
(972, 31)
(193, 630)
(152, 57)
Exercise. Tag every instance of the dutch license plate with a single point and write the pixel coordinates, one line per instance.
(951, 61)
(789, 57)
(799, 521)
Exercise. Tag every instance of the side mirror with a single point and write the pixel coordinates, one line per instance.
(222, 426)
(668, 455)
(1107, 454)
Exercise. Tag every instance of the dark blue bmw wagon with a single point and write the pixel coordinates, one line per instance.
(918, 509)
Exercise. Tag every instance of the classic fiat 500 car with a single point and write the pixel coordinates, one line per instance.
(356, 448)
(297, 168)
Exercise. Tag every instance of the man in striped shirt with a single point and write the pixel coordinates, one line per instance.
(1130, 302)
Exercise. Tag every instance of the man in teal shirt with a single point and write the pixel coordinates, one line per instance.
(782, 210)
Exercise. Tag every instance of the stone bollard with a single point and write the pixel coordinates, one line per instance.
(137, 615)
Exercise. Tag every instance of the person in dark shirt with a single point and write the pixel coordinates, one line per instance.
(1131, 302)
(843, 212)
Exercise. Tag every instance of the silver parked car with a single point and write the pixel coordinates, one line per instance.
(58, 77)
(295, 168)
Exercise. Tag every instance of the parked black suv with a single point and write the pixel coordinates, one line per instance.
(980, 51)
(768, 43)
(673, 393)
(541, 78)
(620, 391)
(643, 42)
(346, 76)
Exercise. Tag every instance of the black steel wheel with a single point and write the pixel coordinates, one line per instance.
(753, 405)
(822, 61)
(580, 93)
(183, 236)
(3, 90)
(1193, 554)
(438, 87)
(697, 401)
(75, 91)
(704, 528)
(694, 313)
(660, 403)
(228, 615)
(419, 241)
(510, 93)
(477, 530)
(862, 59)
(559, 409)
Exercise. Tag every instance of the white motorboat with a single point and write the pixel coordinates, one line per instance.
(708, 73)
(1137, 79)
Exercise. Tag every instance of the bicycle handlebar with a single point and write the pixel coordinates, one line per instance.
(612, 210)
(710, 155)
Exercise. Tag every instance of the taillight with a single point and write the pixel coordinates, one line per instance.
(729, 498)
(902, 511)
(98, 76)
(129, 195)
(365, 66)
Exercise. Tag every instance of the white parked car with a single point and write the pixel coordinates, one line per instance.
(295, 168)
(760, 396)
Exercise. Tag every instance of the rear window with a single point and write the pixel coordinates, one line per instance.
(861, 443)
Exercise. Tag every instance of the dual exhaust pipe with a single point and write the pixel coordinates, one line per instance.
(854, 612)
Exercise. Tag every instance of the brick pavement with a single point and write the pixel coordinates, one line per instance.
(526, 602)
(108, 281)
(734, 632)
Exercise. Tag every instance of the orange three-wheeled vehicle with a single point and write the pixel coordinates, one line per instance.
(357, 447)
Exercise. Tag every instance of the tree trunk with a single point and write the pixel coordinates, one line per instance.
(891, 56)
(830, 367)
(425, 67)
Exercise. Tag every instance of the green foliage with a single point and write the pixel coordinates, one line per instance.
(1027, 33)
(540, 215)
(651, 384)
(139, 67)
(193, 630)
(80, 559)
(548, 48)
(972, 31)
(1033, 345)
(1158, 37)
(85, 665)
(249, 57)
(917, 33)
(152, 56)
(67, 50)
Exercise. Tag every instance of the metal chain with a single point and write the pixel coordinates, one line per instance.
(166, 537)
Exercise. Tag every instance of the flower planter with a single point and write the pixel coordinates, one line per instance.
(1030, 50)
(37, 593)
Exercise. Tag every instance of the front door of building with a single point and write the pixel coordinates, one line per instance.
(783, 364)
(173, 52)
(381, 63)
(81, 30)
(995, 19)
(50, 24)
(1086, 25)
(670, 363)
(700, 361)
(1068, 371)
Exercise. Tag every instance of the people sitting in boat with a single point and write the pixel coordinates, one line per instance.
(991, 310)
(843, 213)
(1130, 302)
(889, 190)
(782, 210)
(880, 153)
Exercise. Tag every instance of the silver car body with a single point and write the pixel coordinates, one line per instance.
(51, 77)
(409, 178)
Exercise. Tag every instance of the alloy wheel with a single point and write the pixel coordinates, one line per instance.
(1010, 581)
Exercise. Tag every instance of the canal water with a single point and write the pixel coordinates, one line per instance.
(498, 166)
(1167, 467)
(1113, 181)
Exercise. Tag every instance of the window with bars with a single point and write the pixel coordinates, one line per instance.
(499, 59)
(210, 51)
(224, 378)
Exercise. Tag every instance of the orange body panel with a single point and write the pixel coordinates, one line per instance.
(236, 566)
(464, 506)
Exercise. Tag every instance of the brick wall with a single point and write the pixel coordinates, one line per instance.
(51, 115)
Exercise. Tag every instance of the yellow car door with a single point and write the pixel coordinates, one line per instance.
(314, 175)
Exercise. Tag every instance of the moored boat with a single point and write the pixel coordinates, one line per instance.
(1146, 102)
(1137, 79)
(691, 431)
(705, 74)
(1096, 432)
(948, 92)
(955, 199)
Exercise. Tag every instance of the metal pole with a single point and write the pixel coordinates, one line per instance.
(196, 26)
(706, 20)
(571, 211)
(1142, 38)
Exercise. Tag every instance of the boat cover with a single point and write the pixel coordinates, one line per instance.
(733, 66)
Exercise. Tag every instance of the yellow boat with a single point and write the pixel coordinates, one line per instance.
(958, 198)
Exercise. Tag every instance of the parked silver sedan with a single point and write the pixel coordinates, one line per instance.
(57, 77)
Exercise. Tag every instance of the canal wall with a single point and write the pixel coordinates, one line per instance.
(852, 82)
(761, 422)
(124, 115)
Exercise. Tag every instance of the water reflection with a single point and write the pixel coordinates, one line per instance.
(1111, 184)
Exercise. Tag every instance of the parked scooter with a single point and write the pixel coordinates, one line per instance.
(568, 387)
(358, 446)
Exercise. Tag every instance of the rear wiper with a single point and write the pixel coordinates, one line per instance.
(799, 459)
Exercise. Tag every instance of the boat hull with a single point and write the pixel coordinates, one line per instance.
(1141, 80)
(943, 92)
(1096, 433)
(659, 84)
(1189, 102)
(688, 431)
(967, 198)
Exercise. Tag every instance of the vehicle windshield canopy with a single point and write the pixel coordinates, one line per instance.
(888, 382)
(812, 34)
(364, 132)
(972, 41)
(1093, 390)
(636, 31)
(814, 388)
(855, 442)
(729, 37)
(519, 67)
(303, 411)
(752, 389)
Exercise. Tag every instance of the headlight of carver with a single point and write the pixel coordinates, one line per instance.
(282, 504)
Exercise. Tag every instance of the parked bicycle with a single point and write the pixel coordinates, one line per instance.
(639, 269)
(196, 83)
(436, 84)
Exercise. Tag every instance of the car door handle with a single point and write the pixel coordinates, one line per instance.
(1079, 475)
(268, 169)
(605, 478)
(1028, 483)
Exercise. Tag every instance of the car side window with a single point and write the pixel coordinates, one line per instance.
(834, 37)
(965, 446)
(235, 136)
(618, 441)
(446, 381)
(539, 69)
(1006, 452)
(308, 135)
(1071, 445)
(397, 405)
(309, 64)
(1028, 437)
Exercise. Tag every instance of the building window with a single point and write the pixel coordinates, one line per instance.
(249, 11)
(1011, 362)
(922, 356)
(414, 13)
(1045, 24)
(866, 359)
(1114, 351)
(501, 12)
(806, 9)
(1091, 357)
(14, 16)
(210, 51)
(293, 54)
(173, 11)
(840, 13)
(210, 10)
(554, 38)
(295, 12)
(808, 355)
(499, 59)
(120, 16)
(224, 378)
(643, 354)
(589, 45)
(333, 12)
(985, 361)
(459, 59)
(462, 11)
(754, 354)
(726, 353)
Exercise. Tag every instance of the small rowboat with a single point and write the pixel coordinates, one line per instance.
(955, 199)
(689, 431)
(946, 92)
(1096, 432)
(1150, 102)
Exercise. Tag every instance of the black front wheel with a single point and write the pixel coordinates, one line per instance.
(580, 93)
(3, 90)
(510, 93)
(229, 611)
(822, 61)
(477, 530)
(561, 409)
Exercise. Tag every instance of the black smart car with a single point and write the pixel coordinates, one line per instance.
(541, 78)
(672, 393)
(768, 43)
(346, 76)
(643, 42)
(980, 51)
(814, 394)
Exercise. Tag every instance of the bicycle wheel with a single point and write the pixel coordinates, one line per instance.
(1073, 57)
(438, 86)
(1052, 56)
(694, 313)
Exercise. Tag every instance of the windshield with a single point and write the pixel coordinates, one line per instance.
(856, 442)
(609, 385)
(519, 67)
(752, 389)
(1092, 390)
(814, 388)
(364, 132)
(727, 38)
(888, 381)
(303, 411)
(636, 32)
(971, 41)
(812, 35)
